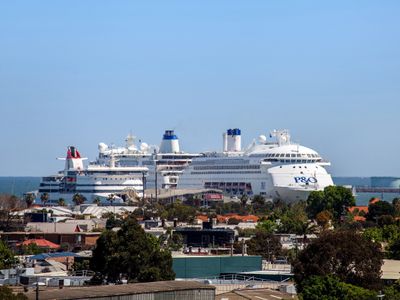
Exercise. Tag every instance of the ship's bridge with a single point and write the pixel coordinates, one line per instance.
(287, 153)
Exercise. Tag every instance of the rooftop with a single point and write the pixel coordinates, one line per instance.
(88, 292)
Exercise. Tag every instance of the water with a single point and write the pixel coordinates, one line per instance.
(18, 185)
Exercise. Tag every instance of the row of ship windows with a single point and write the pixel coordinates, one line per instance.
(292, 160)
(292, 155)
(227, 172)
(249, 167)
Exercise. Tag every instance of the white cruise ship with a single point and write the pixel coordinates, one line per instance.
(167, 159)
(277, 170)
(97, 180)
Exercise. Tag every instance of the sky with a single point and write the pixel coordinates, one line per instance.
(83, 72)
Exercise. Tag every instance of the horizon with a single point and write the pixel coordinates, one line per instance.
(96, 70)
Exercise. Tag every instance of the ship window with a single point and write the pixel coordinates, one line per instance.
(294, 167)
(282, 155)
(287, 155)
(309, 155)
(298, 155)
(293, 155)
(288, 160)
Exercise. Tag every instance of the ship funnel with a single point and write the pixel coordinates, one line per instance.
(74, 160)
(169, 143)
(232, 140)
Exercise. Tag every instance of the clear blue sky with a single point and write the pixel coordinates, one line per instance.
(82, 72)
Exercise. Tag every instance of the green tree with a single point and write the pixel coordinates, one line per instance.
(78, 199)
(264, 244)
(396, 206)
(392, 292)
(269, 226)
(379, 209)
(331, 288)
(97, 200)
(345, 254)
(394, 249)
(335, 199)
(44, 197)
(7, 294)
(29, 199)
(113, 221)
(243, 200)
(132, 254)
(31, 249)
(180, 211)
(292, 218)
(61, 202)
(7, 259)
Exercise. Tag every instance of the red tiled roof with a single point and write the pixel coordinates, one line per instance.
(202, 218)
(42, 243)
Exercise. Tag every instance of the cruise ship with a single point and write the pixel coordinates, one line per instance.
(96, 180)
(276, 169)
(165, 163)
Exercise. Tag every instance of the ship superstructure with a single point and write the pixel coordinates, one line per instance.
(274, 169)
(93, 181)
(165, 163)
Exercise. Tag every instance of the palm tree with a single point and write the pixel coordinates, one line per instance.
(111, 198)
(96, 201)
(29, 199)
(61, 202)
(44, 198)
(307, 228)
(78, 199)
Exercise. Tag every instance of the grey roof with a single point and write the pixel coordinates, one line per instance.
(88, 292)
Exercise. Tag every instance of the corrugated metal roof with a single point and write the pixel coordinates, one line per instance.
(88, 292)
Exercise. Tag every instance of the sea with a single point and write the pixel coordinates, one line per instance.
(20, 185)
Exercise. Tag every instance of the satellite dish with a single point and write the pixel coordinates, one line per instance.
(144, 147)
(102, 147)
(262, 139)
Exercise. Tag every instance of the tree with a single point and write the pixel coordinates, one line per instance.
(345, 254)
(233, 221)
(29, 199)
(396, 205)
(7, 293)
(31, 249)
(111, 198)
(292, 218)
(258, 201)
(268, 226)
(264, 244)
(132, 254)
(97, 200)
(379, 209)
(243, 200)
(324, 218)
(335, 199)
(44, 198)
(78, 199)
(394, 249)
(7, 259)
(331, 288)
(9, 204)
(61, 202)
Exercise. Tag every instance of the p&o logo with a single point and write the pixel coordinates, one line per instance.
(306, 180)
